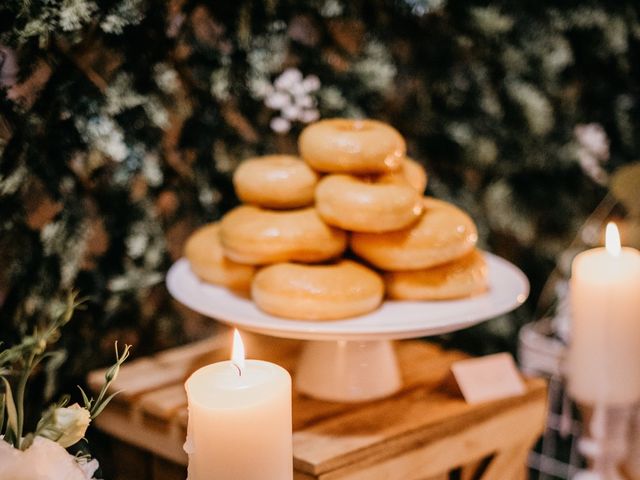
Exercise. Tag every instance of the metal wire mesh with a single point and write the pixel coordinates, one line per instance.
(555, 456)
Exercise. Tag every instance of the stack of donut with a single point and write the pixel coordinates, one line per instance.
(325, 237)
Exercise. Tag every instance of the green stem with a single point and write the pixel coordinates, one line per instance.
(20, 391)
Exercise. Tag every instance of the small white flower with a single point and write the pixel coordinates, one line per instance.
(297, 89)
(105, 136)
(288, 78)
(593, 138)
(331, 8)
(291, 112)
(280, 125)
(593, 150)
(43, 460)
(166, 78)
(309, 116)
(311, 83)
(278, 100)
(136, 245)
(304, 101)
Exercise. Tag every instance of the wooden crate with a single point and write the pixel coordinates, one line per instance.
(425, 432)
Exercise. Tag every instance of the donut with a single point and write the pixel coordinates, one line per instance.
(275, 181)
(443, 233)
(204, 252)
(359, 205)
(410, 172)
(256, 236)
(340, 145)
(464, 277)
(317, 292)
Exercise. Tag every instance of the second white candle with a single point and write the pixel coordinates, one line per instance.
(604, 355)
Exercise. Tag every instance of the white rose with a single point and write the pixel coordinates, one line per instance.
(43, 460)
(68, 426)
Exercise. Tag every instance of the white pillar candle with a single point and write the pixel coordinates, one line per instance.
(604, 354)
(239, 420)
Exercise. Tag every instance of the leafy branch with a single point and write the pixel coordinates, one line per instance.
(60, 423)
(96, 406)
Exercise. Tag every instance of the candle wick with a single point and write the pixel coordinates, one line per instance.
(239, 369)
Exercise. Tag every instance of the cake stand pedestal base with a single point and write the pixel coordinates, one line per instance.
(348, 371)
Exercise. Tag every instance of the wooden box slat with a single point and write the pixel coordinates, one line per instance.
(425, 431)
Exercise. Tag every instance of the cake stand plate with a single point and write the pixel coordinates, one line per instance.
(353, 359)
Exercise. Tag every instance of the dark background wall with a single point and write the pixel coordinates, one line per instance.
(121, 123)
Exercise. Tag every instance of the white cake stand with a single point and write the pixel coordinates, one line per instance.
(353, 359)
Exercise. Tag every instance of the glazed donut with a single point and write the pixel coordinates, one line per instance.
(358, 205)
(317, 292)
(275, 181)
(443, 233)
(340, 145)
(464, 277)
(256, 236)
(207, 260)
(411, 172)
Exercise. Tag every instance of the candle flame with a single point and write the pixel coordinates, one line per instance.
(237, 352)
(612, 240)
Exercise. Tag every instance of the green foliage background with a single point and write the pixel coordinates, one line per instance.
(122, 120)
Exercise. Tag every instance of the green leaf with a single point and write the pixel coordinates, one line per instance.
(103, 404)
(12, 412)
(85, 399)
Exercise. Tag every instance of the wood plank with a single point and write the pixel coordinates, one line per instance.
(407, 419)
(189, 352)
(444, 453)
(302, 476)
(471, 471)
(164, 443)
(165, 402)
(508, 463)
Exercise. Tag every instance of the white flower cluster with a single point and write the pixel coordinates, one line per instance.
(166, 78)
(376, 68)
(503, 214)
(220, 83)
(491, 20)
(593, 150)
(291, 96)
(265, 58)
(43, 460)
(535, 106)
(331, 8)
(121, 95)
(75, 13)
(103, 134)
(127, 12)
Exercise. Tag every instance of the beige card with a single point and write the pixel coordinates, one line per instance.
(488, 378)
